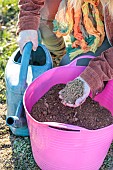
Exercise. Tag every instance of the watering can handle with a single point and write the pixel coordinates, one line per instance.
(74, 62)
(25, 63)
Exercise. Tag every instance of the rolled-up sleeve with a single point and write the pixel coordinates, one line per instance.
(99, 70)
(29, 15)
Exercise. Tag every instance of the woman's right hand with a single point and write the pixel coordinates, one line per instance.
(75, 92)
(26, 36)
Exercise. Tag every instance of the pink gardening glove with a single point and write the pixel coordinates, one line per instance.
(75, 92)
(28, 36)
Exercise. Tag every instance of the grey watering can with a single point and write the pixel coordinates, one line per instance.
(20, 71)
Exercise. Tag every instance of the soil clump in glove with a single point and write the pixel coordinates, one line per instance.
(89, 115)
(73, 90)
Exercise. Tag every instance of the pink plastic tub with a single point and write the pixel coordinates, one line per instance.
(73, 148)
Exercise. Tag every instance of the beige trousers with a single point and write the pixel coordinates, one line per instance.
(54, 44)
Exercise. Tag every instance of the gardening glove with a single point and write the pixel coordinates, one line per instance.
(75, 92)
(28, 36)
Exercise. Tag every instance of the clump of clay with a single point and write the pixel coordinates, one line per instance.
(72, 91)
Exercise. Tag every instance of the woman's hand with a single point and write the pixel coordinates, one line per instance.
(75, 92)
(28, 36)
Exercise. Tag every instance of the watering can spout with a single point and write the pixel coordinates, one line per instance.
(18, 120)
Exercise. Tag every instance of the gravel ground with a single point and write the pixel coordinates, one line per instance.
(15, 152)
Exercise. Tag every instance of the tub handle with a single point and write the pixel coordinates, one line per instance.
(74, 62)
(62, 126)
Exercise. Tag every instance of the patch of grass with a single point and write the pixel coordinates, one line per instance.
(22, 150)
(9, 10)
(8, 44)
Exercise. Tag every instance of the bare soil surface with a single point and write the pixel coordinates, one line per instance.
(89, 115)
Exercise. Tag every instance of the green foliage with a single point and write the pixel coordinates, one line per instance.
(8, 18)
(9, 9)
